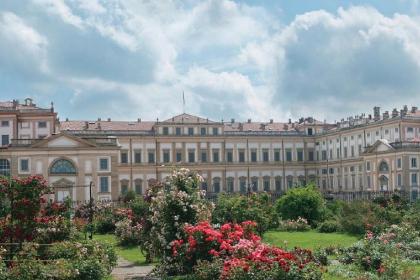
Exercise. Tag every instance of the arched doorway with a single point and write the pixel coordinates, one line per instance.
(64, 186)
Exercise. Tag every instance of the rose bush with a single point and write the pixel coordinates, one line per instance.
(239, 253)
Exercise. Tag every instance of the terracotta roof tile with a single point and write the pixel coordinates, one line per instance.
(107, 125)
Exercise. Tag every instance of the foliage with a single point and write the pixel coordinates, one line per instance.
(25, 197)
(128, 232)
(62, 260)
(306, 202)
(178, 201)
(329, 226)
(300, 224)
(239, 254)
(358, 216)
(239, 208)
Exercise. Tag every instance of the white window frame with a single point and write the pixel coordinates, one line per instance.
(109, 184)
(411, 162)
(20, 166)
(99, 164)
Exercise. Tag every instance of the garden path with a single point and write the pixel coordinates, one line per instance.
(128, 270)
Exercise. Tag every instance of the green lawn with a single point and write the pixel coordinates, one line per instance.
(129, 253)
(308, 239)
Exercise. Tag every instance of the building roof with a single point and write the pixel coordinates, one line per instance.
(107, 125)
(188, 119)
(259, 126)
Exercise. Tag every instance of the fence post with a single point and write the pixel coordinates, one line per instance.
(90, 212)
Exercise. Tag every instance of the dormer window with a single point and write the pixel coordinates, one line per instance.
(42, 124)
(203, 131)
(191, 131)
(310, 131)
(178, 131)
(215, 131)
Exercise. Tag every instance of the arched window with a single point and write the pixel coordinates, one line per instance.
(242, 185)
(216, 185)
(138, 185)
(4, 167)
(124, 186)
(383, 167)
(254, 183)
(266, 183)
(63, 167)
(230, 183)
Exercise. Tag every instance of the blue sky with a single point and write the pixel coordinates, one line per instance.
(129, 59)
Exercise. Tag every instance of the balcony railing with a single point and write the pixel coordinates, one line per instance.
(405, 145)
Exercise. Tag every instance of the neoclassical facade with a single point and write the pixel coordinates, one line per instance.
(363, 153)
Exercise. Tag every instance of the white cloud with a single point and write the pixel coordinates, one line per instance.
(60, 8)
(21, 45)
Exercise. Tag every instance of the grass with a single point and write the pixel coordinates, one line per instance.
(308, 239)
(129, 253)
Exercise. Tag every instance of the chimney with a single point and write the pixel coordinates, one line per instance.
(232, 120)
(394, 113)
(241, 127)
(413, 109)
(290, 121)
(99, 119)
(67, 119)
(402, 112)
(262, 126)
(376, 113)
(370, 117)
(271, 120)
(109, 119)
(15, 103)
(99, 126)
(138, 120)
(385, 115)
(249, 120)
(285, 127)
(86, 125)
(405, 109)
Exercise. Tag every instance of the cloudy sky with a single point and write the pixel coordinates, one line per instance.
(233, 59)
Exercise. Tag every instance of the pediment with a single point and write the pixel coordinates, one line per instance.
(380, 145)
(187, 119)
(63, 182)
(63, 140)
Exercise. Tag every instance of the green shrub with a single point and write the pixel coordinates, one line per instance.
(239, 208)
(329, 226)
(306, 202)
(358, 216)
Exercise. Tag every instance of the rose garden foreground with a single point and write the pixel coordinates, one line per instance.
(185, 236)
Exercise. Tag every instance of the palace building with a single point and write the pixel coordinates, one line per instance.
(378, 152)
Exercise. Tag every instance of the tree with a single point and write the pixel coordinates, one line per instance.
(306, 202)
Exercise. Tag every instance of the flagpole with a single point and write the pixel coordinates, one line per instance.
(183, 102)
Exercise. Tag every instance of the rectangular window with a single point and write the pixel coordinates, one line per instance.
(203, 155)
(203, 131)
(265, 155)
(24, 165)
(413, 162)
(399, 163)
(103, 164)
(299, 155)
(178, 131)
(288, 155)
(360, 148)
(368, 166)
(166, 130)
(277, 155)
(324, 155)
(137, 156)
(191, 156)
(368, 182)
(229, 155)
(4, 123)
(124, 157)
(230, 185)
(345, 152)
(124, 188)
(414, 178)
(215, 155)
(311, 155)
(352, 151)
(191, 131)
(104, 184)
(42, 124)
(178, 156)
(151, 157)
(5, 140)
(166, 156)
(338, 152)
(410, 129)
(138, 187)
(241, 156)
(399, 180)
(331, 153)
(215, 131)
(24, 124)
(242, 186)
(278, 184)
(253, 155)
